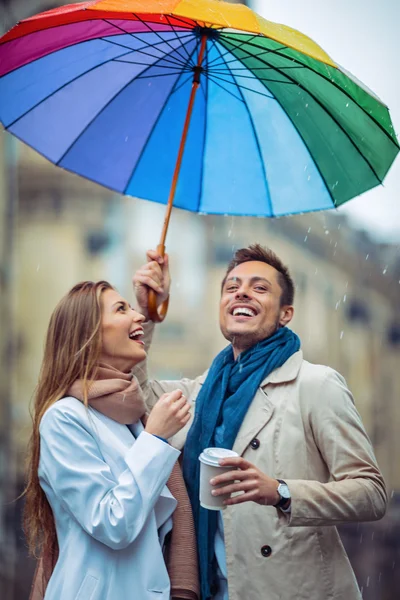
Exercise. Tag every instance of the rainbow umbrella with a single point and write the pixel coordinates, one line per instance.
(244, 116)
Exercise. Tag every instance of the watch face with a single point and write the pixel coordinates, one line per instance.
(283, 491)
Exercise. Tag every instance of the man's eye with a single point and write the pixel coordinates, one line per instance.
(121, 308)
(231, 288)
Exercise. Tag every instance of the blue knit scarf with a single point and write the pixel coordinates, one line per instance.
(221, 406)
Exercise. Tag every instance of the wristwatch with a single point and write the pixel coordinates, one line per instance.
(283, 492)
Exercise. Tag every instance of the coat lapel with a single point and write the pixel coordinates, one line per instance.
(258, 415)
(262, 407)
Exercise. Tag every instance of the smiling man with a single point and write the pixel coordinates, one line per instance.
(305, 462)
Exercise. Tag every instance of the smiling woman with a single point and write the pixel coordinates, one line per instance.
(91, 498)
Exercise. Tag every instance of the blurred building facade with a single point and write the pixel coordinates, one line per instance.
(57, 229)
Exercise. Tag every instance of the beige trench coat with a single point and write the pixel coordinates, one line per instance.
(303, 427)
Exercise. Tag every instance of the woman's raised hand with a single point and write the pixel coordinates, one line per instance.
(155, 275)
(169, 415)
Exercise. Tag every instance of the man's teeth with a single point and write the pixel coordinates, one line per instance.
(248, 312)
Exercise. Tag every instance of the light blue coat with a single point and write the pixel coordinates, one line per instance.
(106, 486)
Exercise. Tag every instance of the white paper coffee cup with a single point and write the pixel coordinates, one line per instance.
(209, 468)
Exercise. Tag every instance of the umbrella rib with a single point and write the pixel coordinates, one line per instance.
(328, 113)
(221, 56)
(100, 112)
(177, 62)
(257, 140)
(176, 35)
(174, 89)
(227, 62)
(158, 35)
(180, 71)
(328, 79)
(62, 87)
(132, 62)
(258, 78)
(204, 136)
(135, 36)
(237, 85)
(259, 68)
(185, 24)
(211, 78)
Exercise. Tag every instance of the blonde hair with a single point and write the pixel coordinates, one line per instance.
(72, 350)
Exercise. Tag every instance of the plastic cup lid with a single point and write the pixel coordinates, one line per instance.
(212, 456)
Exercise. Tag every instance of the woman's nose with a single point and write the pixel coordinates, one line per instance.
(137, 316)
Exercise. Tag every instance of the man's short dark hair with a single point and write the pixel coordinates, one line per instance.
(259, 253)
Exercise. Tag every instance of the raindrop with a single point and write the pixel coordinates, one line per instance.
(345, 298)
(305, 239)
(309, 229)
(327, 232)
(341, 337)
(306, 105)
(385, 270)
(316, 271)
(230, 233)
(37, 268)
(347, 105)
(126, 139)
(308, 178)
(367, 257)
(368, 581)
(305, 168)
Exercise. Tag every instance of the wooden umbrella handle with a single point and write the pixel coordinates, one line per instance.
(157, 314)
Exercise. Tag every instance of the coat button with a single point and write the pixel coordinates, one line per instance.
(255, 444)
(266, 551)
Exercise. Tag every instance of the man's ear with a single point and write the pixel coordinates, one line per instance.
(286, 315)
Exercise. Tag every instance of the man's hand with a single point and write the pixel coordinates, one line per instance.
(155, 275)
(253, 484)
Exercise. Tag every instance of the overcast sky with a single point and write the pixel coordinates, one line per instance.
(362, 36)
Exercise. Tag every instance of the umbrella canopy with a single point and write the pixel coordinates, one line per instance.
(101, 89)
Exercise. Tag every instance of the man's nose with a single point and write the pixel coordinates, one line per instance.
(243, 292)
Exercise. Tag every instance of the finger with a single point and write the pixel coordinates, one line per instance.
(185, 419)
(150, 270)
(183, 411)
(230, 476)
(241, 486)
(150, 282)
(237, 462)
(176, 395)
(246, 497)
(154, 255)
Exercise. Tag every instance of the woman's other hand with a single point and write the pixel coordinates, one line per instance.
(169, 415)
(155, 275)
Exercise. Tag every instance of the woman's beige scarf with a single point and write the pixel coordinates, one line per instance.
(118, 396)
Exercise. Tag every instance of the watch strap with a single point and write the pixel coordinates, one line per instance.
(283, 500)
